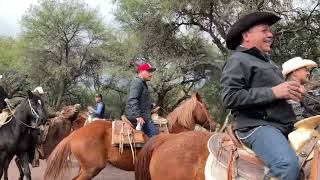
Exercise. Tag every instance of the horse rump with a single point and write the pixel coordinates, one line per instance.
(143, 159)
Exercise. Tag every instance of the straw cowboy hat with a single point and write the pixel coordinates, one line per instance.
(296, 63)
(234, 36)
(39, 90)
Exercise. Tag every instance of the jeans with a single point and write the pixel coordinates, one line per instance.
(272, 147)
(150, 129)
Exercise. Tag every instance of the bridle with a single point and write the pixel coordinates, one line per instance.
(33, 112)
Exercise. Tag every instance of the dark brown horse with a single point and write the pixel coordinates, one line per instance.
(60, 127)
(91, 144)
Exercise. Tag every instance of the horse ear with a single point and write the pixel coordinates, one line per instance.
(30, 94)
(196, 96)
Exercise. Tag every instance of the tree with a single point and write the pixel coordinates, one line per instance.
(63, 44)
(162, 24)
(10, 54)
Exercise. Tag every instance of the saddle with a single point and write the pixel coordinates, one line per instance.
(4, 116)
(124, 134)
(160, 122)
(239, 161)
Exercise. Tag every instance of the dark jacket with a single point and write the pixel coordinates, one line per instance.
(3, 95)
(246, 81)
(138, 104)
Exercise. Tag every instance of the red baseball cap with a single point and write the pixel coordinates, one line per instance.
(146, 67)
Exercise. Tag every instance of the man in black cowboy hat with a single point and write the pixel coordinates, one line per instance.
(254, 89)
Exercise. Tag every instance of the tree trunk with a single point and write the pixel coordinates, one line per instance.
(160, 102)
(60, 95)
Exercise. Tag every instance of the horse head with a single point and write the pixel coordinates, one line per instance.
(34, 108)
(201, 113)
(70, 112)
(191, 112)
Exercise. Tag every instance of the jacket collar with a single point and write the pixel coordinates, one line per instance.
(145, 83)
(252, 51)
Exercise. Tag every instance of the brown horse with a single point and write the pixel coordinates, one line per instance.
(173, 157)
(184, 156)
(91, 144)
(60, 127)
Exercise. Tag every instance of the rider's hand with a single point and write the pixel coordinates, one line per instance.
(288, 90)
(6, 100)
(89, 108)
(140, 120)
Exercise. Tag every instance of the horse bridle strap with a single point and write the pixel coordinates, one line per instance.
(34, 112)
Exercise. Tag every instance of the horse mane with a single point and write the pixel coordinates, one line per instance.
(183, 114)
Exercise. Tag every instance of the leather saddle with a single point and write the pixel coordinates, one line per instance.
(123, 133)
(4, 116)
(229, 152)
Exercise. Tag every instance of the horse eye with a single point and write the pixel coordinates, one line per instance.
(39, 101)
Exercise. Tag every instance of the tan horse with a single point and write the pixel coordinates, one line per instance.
(184, 156)
(91, 144)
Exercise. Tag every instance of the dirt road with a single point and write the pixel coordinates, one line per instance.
(108, 173)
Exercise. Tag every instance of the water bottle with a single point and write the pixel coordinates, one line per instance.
(138, 127)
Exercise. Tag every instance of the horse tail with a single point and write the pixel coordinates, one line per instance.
(57, 162)
(143, 160)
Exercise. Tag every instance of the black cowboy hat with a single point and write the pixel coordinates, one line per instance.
(234, 36)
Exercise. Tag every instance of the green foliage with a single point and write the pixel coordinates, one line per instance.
(64, 45)
(10, 54)
(67, 49)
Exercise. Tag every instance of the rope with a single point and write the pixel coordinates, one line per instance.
(12, 114)
(32, 111)
(131, 147)
(121, 139)
(6, 122)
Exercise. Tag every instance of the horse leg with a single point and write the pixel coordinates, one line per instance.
(88, 173)
(6, 166)
(18, 163)
(3, 157)
(24, 159)
(90, 163)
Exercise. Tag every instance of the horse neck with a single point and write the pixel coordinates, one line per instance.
(20, 116)
(174, 126)
(21, 112)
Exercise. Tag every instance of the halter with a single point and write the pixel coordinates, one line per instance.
(34, 112)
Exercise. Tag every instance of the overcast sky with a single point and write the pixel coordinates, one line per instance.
(12, 10)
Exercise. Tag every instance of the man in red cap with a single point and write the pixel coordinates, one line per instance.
(256, 92)
(138, 107)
